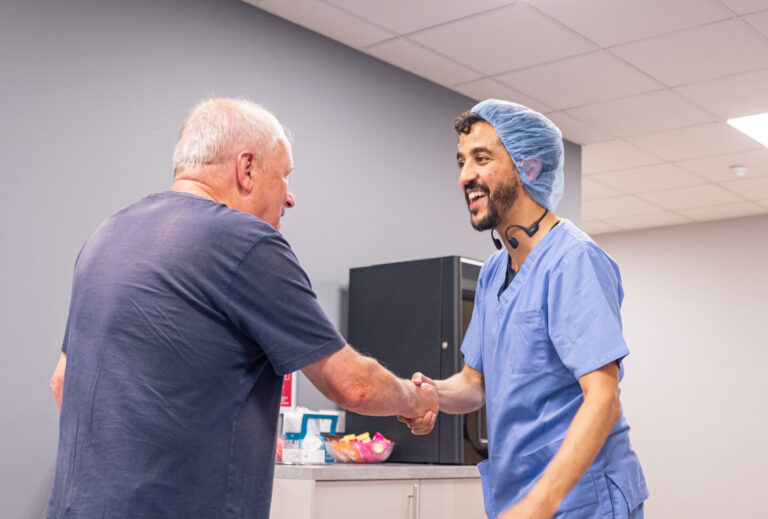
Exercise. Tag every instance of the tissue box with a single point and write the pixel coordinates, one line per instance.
(294, 451)
(303, 456)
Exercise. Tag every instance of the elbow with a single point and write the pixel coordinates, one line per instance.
(57, 383)
(353, 396)
(57, 387)
(613, 408)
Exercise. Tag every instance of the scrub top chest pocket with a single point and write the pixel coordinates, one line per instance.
(523, 341)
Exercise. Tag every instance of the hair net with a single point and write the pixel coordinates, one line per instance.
(535, 145)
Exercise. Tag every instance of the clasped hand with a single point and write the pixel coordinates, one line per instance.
(425, 423)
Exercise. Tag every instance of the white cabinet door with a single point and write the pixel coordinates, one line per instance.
(380, 499)
(451, 499)
(292, 499)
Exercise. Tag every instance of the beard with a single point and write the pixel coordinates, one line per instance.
(499, 202)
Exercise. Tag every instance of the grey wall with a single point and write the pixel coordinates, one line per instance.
(93, 94)
(694, 390)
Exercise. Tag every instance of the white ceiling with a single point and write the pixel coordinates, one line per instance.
(644, 85)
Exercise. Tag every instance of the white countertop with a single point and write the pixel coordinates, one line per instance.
(362, 471)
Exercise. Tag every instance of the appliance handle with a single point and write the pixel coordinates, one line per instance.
(483, 441)
(413, 502)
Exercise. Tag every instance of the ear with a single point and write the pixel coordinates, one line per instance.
(531, 168)
(245, 170)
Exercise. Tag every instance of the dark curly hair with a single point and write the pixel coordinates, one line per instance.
(464, 122)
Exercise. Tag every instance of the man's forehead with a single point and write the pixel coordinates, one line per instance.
(481, 135)
(285, 151)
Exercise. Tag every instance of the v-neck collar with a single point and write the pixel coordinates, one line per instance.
(504, 294)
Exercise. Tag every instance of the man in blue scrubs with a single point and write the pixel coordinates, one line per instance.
(544, 347)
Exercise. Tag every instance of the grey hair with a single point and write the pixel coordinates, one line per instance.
(217, 129)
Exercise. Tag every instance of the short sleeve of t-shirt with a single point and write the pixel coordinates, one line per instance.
(271, 301)
(584, 301)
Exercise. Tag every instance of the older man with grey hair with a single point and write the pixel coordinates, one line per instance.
(187, 309)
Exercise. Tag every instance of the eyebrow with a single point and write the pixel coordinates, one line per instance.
(475, 151)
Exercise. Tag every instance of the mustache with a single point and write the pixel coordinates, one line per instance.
(475, 184)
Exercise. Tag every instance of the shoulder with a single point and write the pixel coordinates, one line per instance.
(573, 245)
(576, 253)
(218, 220)
(191, 223)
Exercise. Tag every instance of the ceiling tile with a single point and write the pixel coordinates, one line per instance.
(597, 227)
(706, 52)
(646, 221)
(745, 6)
(640, 114)
(690, 197)
(759, 21)
(764, 203)
(422, 62)
(695, 141)
(648, 178)
(576, 131)
(732, 96)
(613, 155)
(405, 16)
(627, 205)
(505, 39)
(720, 212)
(591, 190)
(487, 88)
(327, 20)
(608, 22)
(717, 168)
(751, 188)
(592, 77)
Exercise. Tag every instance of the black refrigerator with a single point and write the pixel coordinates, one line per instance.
(412, 316)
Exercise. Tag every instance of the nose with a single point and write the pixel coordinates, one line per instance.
(466, 175)
(290, 201)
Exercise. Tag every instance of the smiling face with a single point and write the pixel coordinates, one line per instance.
(488, 176)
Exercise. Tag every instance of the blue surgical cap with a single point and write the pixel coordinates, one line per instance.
(535, 145)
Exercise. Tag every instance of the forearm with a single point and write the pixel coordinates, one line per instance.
(458, 394)
(360, 384)
(380, 393)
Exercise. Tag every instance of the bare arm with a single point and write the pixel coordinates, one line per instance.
(57, 379)
(586, 435)
(362, 385)
(461, 393)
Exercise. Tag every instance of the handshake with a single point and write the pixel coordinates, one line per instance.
(427, 405)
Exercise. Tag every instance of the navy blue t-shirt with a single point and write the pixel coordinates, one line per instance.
(184, 316)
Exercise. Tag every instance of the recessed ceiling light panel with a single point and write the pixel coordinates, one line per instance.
(755, 126)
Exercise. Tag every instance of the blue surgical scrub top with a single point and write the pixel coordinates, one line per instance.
(557, 320)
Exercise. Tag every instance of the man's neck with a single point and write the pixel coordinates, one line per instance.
(206, 181)
(195, 187)
(524, 216)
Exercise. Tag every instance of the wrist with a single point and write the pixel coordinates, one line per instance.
(411, 398)
(546, 496)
